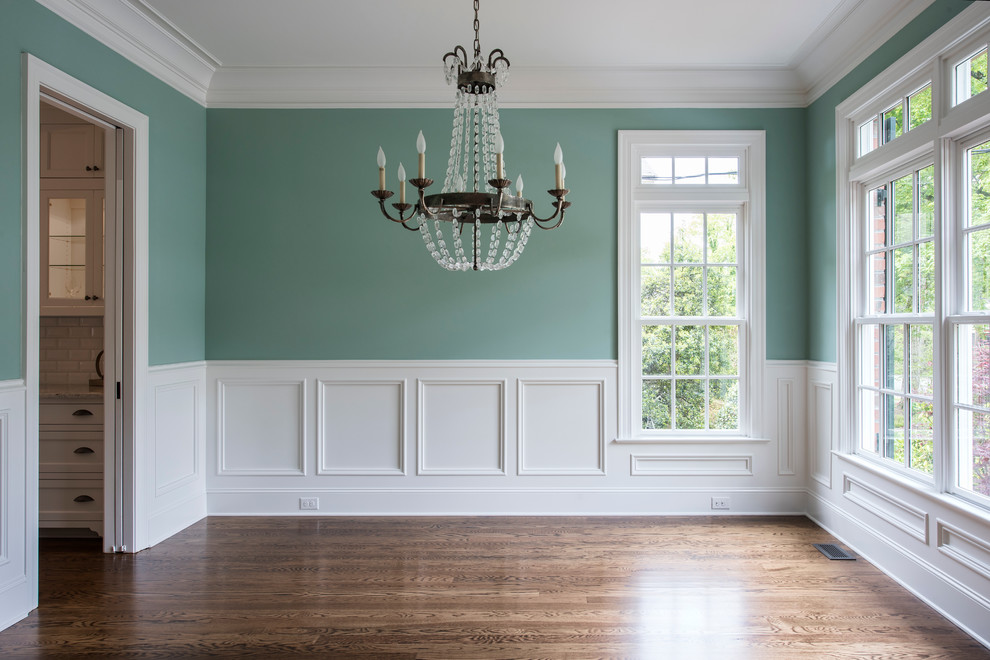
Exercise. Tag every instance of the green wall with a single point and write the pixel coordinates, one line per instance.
(265, 244)
(177, 170)
(303, 266)
(820, 148)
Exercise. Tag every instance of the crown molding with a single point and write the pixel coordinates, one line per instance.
(137, 32)
(146, 38)
(374, 87)
(849, 41)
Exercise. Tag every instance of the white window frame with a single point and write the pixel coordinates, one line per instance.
(939, 141)
(748, 198)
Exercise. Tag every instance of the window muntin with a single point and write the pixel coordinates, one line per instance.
(971, 414)
(971, 389)
(908, 113)
(976, 227)
(900, 253)
(970, 77)
(689, 170)
(689, 290)
(896, 329)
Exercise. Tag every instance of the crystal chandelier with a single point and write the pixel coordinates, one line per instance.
(475, 222)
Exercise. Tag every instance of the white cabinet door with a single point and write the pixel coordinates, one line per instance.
(71, 150)
(72, 259)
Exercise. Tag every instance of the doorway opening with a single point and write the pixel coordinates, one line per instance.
(117, 211)
(83, 176)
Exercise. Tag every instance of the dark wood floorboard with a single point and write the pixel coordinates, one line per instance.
(492, 587)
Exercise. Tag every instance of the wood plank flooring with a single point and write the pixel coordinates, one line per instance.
(492, 587)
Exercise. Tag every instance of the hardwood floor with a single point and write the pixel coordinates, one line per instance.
(574, 587)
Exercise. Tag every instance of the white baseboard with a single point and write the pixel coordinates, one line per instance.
(506, 501)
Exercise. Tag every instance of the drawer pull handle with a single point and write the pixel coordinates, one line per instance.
(82, 412)
(82, 450)
(82, 498)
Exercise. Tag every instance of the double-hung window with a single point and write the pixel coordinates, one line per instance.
(914, 252)
(691, 283)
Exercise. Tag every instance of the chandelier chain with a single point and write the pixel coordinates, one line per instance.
(477, 30)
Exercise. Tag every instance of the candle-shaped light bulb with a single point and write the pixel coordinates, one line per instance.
(381, 169)
(563, 175)
(558, 161)
(519, 185)
(499, 148)
(402, 184)
(421, 149)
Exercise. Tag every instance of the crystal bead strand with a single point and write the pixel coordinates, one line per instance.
(521, 244)
(493, 243)
(510, 242)
(431, 247)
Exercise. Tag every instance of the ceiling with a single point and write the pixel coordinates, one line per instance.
(536, 33)
(362, 53)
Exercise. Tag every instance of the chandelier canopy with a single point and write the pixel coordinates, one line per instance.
(489, 226)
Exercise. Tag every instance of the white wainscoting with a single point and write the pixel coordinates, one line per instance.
(262, 426)
(561, 427)
(360, 428)
(176, 448)
(822, 417)
(18, 531)
(477, 437)
(462, 427)
(934, 545)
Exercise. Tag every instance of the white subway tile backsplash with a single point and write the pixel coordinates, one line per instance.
(68, 349)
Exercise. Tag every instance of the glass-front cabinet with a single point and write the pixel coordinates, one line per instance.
(72, 224)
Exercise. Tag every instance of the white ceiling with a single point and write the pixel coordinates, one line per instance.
(534, 33)
(590, 53)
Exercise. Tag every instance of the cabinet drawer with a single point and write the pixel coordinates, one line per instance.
(70, 499)
(71, 413)
(71, 452)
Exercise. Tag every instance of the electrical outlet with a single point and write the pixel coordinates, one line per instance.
(309, 503)
(720, 503)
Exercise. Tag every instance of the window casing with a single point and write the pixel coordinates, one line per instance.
(690, 284)
(914, 252)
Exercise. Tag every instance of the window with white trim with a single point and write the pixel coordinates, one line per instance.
(914, 250)
(690, 283)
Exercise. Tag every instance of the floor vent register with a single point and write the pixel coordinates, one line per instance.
(832, 551)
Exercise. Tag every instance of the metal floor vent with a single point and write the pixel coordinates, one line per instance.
(832, 551)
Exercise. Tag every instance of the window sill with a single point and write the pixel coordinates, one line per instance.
(691, 439)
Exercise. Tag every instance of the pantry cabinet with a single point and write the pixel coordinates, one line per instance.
(72, 259)
(70, 484)
(72, 151)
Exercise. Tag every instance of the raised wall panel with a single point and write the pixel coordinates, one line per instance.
(462, 427)
(895, 511)
(964, 548)
(786, 388)
(360, 427)
(820, 398)
(262, 427)
(691, 465)
(176, 435)
(561, 427)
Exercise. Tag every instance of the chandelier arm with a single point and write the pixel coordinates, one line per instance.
(461, 55)
(495, 57)
(401, 208)
(559, 207)
(421, 207)
(538, 222)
